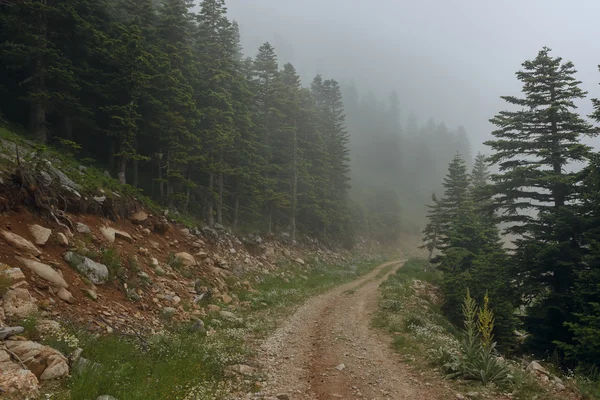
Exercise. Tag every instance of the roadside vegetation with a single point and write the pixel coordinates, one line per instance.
(191, 362)
(464, 354)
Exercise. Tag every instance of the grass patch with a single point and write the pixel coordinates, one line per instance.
(179, 364)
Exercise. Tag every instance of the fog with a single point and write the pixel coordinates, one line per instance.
(447, 60)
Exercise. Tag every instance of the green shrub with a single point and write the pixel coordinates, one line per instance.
(478, 359)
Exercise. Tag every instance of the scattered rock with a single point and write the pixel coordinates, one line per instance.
(106, 397)
(97, 273)
(15, 380)
(45, 362)
(44, 271)
(62, 240)
(162, 226)
(12, 275)
(111, 234)
(40, 234)
(81, 364)
(270, 252)
(229, 316)
(213, 308)
(18, 303)
(341, 367)
(227, 298)
(91, 294)
(146, 231)
(197, 326)
(202, 255)
(139, 217)
(47, 327)
(99, 199)
(282, 396)
(186, 259)
(167, 313)
(242, 369)
(65, 295)
(459, 396)
(82, 228)
(21, 243)
(534, 366)
(300, 261)
(560, 387)
(10, 331)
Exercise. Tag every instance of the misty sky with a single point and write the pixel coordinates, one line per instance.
(447, 59)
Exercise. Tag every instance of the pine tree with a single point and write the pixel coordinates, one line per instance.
(432, 231)
(268, 85)
(216, 50)
(534, 194)
(584, 350)
(33, 54)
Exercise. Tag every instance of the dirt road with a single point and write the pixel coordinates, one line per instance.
(328, 350)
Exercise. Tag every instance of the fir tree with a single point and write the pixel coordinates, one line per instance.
(533, 192)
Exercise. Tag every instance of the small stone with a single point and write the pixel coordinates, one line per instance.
(213, 308)
(21, 243)
(227, 298)
(282, 396)
(534, 366)
(228, 315)
(62, 240)
(44, 271)
(202, 255)
(167, 313)
(10, 331)
(18, 303)
(300, 261)
(197, 326)
(341, 367)
(12, 275)
(91, 294)
(459, 396)
(139, 217)
(83, 228)
(560, 387)
(106, 397)
(186, 259)
(146, 231)
(40, 234)
(65, 295)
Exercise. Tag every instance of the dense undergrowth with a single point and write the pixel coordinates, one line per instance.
(410, 310)
(180, 363)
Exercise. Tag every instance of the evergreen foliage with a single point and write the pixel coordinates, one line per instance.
(535, 195)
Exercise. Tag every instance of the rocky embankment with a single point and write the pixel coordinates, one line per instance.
(127, 277)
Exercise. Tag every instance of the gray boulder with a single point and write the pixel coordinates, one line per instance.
(97, 273)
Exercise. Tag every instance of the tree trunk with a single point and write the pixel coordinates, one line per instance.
(68, 128)
(161, 184)
(122, 170)
(136, 167)
(269, 220)
(210, 217)
(220, 184)
(111, 155)
(294, 184)
(236, 210)
(37, 112)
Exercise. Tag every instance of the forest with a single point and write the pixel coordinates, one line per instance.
(161, 95)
